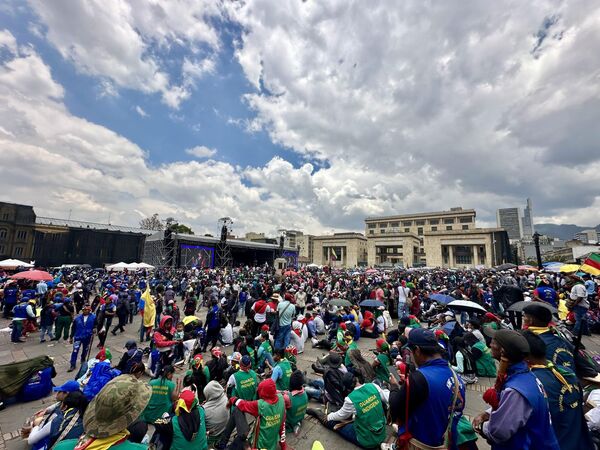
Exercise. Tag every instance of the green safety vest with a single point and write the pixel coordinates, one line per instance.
(283, 383)
(382, 372)
(486, 367)
(252, 354)
(246, 384)
(270, 419)
(352, 346)
(198, 442)
(297, 410)
(369, 423)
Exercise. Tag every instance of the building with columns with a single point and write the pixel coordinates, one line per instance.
(340, 250)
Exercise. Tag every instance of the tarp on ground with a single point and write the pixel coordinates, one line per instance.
(14, 375)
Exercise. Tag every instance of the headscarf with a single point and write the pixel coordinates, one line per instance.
(186, 410)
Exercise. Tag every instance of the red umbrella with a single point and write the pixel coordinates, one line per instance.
(290, 273)
(34, 275)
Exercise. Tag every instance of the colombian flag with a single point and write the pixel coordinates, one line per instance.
(592, 264)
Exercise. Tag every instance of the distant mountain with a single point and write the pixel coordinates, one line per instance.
(564, 231)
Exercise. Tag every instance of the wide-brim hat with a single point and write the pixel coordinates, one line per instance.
(276, 297)
(117, 405)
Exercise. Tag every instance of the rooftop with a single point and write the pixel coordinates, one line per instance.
(89, 225)
(452, 212)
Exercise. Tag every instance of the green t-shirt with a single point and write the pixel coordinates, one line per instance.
(160, 401)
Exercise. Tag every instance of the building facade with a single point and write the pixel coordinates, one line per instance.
(511, 220)
(17, 231)
(587, 236)
(305, 247)
(528, 227)
(401, 239)
(467, 248)
(340, 250)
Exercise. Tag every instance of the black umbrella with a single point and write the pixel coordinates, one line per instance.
(520, 305)
(506, 266)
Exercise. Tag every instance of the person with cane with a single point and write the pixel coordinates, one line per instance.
(82, 331)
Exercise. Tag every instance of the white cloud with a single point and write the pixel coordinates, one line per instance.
(115, 40)
(8, 41)
(140, 111)
(200, 151)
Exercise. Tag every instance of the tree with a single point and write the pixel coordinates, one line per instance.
(181, 229)
(152, 223)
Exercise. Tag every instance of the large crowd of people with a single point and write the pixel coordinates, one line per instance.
(215, 363)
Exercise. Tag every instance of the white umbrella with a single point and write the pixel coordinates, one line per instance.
(13, 263)
(466, 305)
(144, 265)
(118, 266)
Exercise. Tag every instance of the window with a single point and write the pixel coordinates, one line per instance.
(447, 221)
(371, 225)
(449, 228)
(18, 251)
(395, 224)
(371, 231)
(22, 235)
(382, 231)
(465, 220)
(3, 233)
(383, 225)
(420, 222)
(406, 230)
(463, 259)
(407, 223)
(434, 221)
(465, 227)
(5, 216)
(433, 228)
(420, 231)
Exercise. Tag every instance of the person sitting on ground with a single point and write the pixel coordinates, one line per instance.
(265, 352)
(465, 363)
(107, 417)
(298, 403)
(537, 318)
(200, 375)
(215, 411)
(519, 416)
(217, 364)
(164, 392)
(270, 412)
(186, 428)
(282, 370)
(434, 395)
(484, 362)
(71, 425)
(564, 397)
(366, 404)
(132, 356)
(382, 360)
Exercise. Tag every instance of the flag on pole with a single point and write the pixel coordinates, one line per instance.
(333, 255)
(592, 264)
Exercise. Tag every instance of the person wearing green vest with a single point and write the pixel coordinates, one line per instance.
(164, 393)
(270, 411)
(282, 371)
(244, 381)
(186, 429)
(365, 403)
(265, 352)
(351, 345)
(299, 401)
(382, 361)
(108, 415)
(251, 351)
(484, 362)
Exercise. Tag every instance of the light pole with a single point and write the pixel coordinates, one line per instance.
(538, 255)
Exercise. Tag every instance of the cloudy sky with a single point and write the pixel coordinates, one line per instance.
(299, 114)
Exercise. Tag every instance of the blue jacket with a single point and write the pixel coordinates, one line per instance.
(20, 311)
(537, 432)
(429, 421)
(81, 331)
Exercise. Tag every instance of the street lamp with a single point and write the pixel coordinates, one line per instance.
(538, 255)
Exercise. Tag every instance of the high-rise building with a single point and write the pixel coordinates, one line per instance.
(510, 219)
(527, 227)
(587, 236)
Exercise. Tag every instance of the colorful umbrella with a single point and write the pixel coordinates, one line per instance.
(189, 319)
(568, 268)
(34, 275)
(528, 267)
(441, 298)
(290, 273)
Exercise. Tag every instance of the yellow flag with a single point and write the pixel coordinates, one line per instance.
(149, 308)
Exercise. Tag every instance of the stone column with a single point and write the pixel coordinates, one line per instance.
(475, 255)
(450, 256)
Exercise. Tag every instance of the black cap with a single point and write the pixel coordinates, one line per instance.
(538, 311)
(513, 343)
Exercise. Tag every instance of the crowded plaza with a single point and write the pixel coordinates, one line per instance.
(307, 357)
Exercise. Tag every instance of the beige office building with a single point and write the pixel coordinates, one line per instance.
(306, 248)
(340, 250)
(400, 239)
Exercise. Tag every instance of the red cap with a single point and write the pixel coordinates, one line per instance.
(265, 327)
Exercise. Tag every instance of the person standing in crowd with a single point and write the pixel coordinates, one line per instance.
(213, 325)
(21, 313)
(403, 299)
(122, 312)
(109, 414)
(41, 290)
(286, 312)
(46, 322)
(434, 396)
(300, 297)
(10, 294)
(66, 313)
(106, 313)
(545, 293)
(564, 395)
(519, 417)
(84, 327)
(580, 306)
